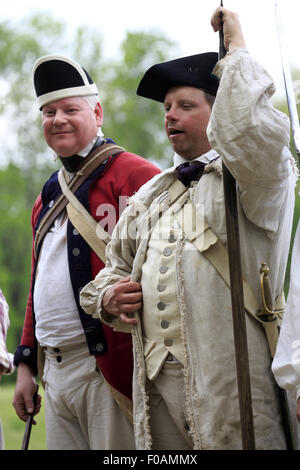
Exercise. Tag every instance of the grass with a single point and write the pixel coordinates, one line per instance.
(13, 427)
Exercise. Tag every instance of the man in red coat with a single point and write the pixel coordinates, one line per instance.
(88, 368)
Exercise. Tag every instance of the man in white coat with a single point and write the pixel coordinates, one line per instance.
(286, 363)
(160, 281)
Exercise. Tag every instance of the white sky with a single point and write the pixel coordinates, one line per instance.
(185, 21)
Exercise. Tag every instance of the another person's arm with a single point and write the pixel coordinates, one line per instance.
(6, 359)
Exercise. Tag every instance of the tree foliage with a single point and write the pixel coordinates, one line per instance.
(15, 246)
(137, 122)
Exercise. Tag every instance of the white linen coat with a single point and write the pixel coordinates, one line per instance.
(252, 138)
(286, 364)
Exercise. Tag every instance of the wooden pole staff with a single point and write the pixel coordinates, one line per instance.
(29, 423)
(237, 300)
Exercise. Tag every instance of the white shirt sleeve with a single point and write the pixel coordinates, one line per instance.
(252, 138)
(6, 359)
(286, 363)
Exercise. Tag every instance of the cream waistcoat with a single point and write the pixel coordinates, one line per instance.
(161, 325)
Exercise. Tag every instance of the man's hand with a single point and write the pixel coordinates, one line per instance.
(124, 298)
(233, 36)
(24, 391)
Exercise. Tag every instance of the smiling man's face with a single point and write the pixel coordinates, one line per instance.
(70, 124)
(187, 113)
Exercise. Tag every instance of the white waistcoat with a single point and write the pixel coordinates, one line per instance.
(161, 318)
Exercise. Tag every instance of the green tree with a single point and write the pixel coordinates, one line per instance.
(15, 243)
(137, 122)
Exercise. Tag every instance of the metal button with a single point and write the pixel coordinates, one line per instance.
(51, 203)
(58, 358)
(167, 252)
(161, 306)
(26, 352)
(76, 251)
(168, 342)
(75, 232)
(161, 287)
(99, 347)
(163, 269)
(164, 324)
(172, 238)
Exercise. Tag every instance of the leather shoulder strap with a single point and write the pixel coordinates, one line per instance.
(208, 244)
(82, 220)
(92, 162)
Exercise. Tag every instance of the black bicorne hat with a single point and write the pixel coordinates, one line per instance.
(195, 71)
(56, 77)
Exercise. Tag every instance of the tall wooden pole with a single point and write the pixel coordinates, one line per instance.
(237, 300)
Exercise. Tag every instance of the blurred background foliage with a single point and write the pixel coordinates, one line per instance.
(25, 161)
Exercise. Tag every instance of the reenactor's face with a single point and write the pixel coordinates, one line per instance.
(70, 124)
(187, 113)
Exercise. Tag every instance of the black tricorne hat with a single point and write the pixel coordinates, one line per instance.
(195, 71)
(56, 77)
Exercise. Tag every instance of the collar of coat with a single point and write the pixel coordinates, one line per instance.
(160, 183)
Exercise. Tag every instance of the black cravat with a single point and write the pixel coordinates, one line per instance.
(188, 172)
(73, 163)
